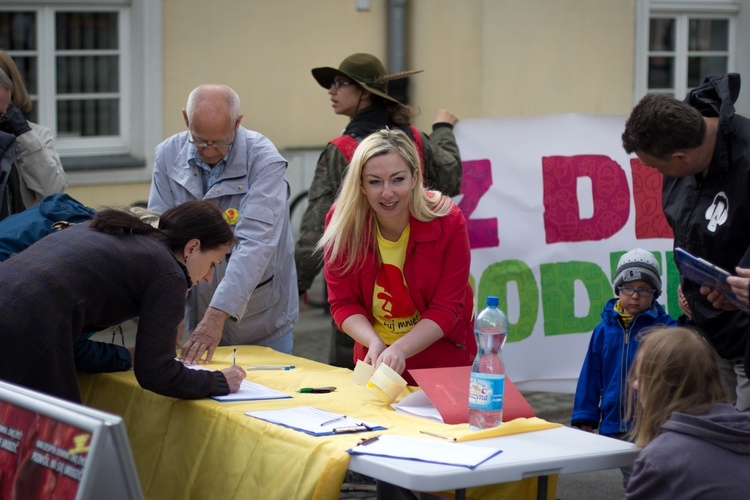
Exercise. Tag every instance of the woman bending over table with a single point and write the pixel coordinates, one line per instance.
(94, 275)
(397, 262)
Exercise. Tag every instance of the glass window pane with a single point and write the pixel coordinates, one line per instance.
(701, 67)
(708, 34)
(660, 72)
(28, 68)
(661, 34)
(87, 118)
(87, 74)
(86, 30)
(17, 31)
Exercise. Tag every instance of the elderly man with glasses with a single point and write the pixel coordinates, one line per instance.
(253, 298)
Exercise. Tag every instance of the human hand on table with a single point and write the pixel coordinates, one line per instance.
(394, 358)
(373, 352)
(205, 337)
(234, 375)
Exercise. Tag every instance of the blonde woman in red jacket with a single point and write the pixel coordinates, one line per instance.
(397, 262)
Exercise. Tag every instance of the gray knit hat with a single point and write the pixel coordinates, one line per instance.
(638, 264)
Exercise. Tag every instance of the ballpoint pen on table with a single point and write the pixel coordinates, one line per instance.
(316, 390)
(270, 367)
(364, 442)
(328, 422)
(234, 357)
(360, 426)
(449, 438)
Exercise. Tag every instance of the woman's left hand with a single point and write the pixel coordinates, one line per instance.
(394, 358)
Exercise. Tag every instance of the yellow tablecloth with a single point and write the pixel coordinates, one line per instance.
(207, 449)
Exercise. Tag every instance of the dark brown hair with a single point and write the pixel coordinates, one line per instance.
(178, 225)
(659, 125)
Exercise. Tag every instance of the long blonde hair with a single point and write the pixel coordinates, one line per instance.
(351, 229)
(676, 372)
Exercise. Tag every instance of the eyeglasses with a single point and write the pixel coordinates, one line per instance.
(215, 145)
(629, 291)
(339, 84)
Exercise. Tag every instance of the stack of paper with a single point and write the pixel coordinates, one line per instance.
(249, 391)
(423, 450)
(314, 421)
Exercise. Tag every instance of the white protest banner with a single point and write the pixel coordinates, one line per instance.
(551, 204)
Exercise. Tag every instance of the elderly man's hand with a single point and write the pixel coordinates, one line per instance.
(205, 337)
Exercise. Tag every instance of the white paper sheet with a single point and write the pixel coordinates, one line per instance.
(308, 419)
(249, 391)
(419, 405)
(424, 450)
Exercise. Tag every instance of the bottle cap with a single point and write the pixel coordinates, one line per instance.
(492, 301)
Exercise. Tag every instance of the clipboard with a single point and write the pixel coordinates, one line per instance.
(707, 274)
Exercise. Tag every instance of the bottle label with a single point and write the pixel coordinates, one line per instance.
(486, 391)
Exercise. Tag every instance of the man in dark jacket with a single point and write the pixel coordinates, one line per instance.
(703, 149)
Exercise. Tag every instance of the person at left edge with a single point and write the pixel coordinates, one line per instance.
(253, 299)
(39, 165)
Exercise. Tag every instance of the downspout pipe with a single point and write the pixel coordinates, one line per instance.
(397, 30)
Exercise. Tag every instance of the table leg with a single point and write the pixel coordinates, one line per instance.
(541, 487)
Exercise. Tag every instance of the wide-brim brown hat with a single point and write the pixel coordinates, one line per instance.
(366, 70)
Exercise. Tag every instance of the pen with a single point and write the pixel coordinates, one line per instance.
(234, 357)
(363, 441)
(328, 422)
(449, 438)
(316, 390)
(351, 428)
(270, 367)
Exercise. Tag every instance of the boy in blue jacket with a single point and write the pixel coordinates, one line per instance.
(600, 399)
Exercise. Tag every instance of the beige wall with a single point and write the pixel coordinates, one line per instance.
(481, 58)
(510, 58)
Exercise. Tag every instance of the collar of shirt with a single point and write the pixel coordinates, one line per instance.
(209, 175)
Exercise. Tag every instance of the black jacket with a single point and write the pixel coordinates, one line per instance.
(10, 190)
(710, 215)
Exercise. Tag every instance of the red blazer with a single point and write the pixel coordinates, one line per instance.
(436, 270)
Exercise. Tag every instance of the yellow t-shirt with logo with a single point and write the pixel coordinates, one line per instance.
(394, 312)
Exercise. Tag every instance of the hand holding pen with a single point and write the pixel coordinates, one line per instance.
(234, 374)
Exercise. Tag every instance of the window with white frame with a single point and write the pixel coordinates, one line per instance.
(94, 72)
(72, 62)
(683, 42)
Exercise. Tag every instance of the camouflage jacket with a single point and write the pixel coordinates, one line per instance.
(442, 164)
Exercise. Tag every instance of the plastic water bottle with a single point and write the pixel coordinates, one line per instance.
(488, 372)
